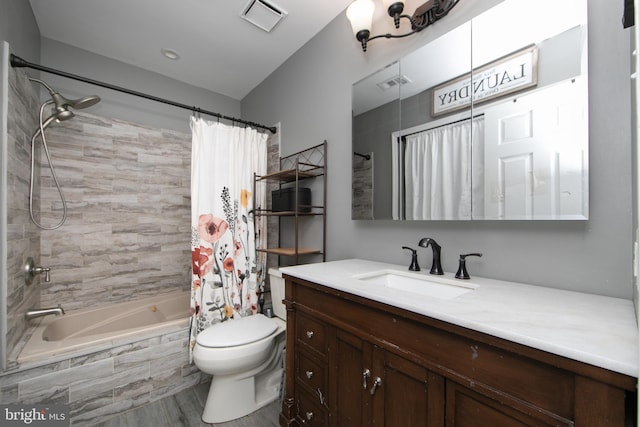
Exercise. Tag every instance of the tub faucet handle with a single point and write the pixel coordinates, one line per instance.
(45, 270)
(30, 271)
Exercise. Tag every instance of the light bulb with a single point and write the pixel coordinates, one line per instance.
(360, 14)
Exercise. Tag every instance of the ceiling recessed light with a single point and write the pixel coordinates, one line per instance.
(170, 53)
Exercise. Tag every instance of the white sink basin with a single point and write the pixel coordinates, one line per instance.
(416, 283)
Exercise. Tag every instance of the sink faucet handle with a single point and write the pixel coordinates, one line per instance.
(462, 266)
(414, 259)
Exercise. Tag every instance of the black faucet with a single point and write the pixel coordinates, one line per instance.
(436, 266)
(414, 259)
(462, 266)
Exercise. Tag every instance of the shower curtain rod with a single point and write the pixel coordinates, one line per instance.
(16, 61)
(446, 124)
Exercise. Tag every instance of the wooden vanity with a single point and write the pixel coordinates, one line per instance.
(354, 361)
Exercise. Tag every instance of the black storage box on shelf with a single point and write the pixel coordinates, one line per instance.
(285, 200)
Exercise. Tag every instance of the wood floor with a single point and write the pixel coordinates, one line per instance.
(185, 409)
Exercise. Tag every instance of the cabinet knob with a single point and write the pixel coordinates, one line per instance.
(309, 334)
(309, 415)
(309, 374)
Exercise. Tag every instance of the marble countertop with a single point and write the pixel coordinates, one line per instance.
(597, 330)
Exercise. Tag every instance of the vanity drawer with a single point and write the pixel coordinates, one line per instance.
(312, 333)
(312, 374)
(310, 411)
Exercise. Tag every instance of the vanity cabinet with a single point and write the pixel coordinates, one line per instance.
(352, 361)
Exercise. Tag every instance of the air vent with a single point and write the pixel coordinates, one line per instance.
(394, 81)
(262, 14)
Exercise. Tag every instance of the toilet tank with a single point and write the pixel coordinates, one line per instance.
(277, 293)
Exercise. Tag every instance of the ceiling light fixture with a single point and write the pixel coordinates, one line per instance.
(170, 53)
(360, 14)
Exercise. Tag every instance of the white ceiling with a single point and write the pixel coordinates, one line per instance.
(219, 51)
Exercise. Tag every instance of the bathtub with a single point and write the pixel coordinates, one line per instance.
(84, 331)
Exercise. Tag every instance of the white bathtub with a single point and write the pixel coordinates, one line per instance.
(83, 331)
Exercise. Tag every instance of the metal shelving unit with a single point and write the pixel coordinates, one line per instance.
(295, 168)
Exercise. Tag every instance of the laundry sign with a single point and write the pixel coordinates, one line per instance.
(511, 73)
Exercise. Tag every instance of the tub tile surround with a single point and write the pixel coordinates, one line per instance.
(128, 229)
(362, 187)
(99, 385)
(23, 238)
(126, 237)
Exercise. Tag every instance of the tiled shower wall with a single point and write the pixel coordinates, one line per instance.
(23, 238)
(128, 229)
(362, 187)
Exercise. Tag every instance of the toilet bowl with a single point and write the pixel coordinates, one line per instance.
(245, 358)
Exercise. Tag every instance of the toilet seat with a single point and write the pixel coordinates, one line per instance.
(237, 332)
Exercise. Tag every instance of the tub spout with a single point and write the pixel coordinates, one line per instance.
(39, 312)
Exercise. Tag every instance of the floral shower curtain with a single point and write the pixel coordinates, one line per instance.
(227, 272)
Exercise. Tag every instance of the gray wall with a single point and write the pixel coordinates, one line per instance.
(311, 96)
(122, 106)
(18, 27)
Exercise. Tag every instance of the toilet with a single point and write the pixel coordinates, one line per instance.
(245, 358)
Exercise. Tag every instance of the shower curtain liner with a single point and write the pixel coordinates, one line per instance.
(227, 270)
(438, 178)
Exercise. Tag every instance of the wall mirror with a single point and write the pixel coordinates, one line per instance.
(489, 121)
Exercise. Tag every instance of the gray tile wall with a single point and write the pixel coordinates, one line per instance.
(128, 229)
(23, 238)
(100, 385)
(362, 187)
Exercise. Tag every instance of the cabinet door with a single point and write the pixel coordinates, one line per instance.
(404, 393)
(350, 379)
(468, 408)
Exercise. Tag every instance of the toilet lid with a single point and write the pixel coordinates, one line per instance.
(237, 332)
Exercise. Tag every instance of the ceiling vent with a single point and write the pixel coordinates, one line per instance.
(394, 81)
(262, 14)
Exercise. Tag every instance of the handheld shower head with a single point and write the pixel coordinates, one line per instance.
(61, 111)
(85, 102)
(62, 104)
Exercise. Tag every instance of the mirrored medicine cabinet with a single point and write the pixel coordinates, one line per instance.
(487, 122)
